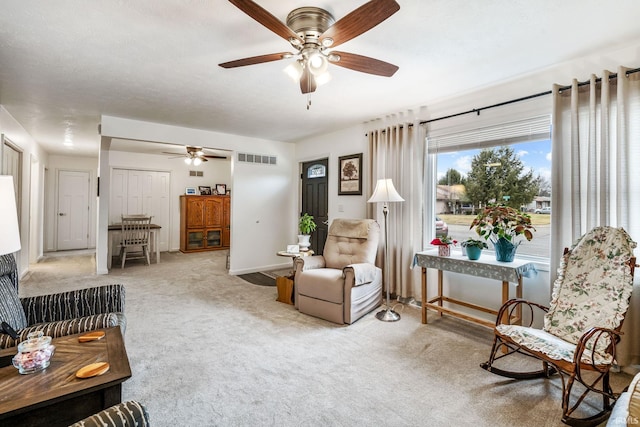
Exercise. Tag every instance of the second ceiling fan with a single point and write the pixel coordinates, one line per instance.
(195, 155)
(313, 33)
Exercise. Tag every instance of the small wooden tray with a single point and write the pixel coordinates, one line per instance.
(91, 336)
(92, 370)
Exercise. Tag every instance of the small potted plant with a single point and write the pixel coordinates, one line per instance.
(473, 248)
(306, 226)
(501, 225)
(444, 245)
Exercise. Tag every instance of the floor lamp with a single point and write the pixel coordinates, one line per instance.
(385, 193)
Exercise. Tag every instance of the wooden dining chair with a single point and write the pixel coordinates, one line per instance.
(135, 238)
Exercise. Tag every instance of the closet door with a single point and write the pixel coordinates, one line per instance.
(118, 199)
(135, 192)
(142, 192)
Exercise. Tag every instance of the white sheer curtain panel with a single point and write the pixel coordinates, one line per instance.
(396, 147)
(595, 170)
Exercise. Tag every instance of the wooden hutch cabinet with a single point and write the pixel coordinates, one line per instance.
(205, 223)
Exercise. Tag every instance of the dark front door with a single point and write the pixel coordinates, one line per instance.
(315, 199)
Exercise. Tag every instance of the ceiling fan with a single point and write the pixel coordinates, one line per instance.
(195, 155)
(313, 32)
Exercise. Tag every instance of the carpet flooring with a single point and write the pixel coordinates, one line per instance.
(209, 349)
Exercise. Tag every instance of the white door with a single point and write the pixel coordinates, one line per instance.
(73, 210)
(142, 192)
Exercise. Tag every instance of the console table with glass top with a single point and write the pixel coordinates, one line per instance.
(486, 266)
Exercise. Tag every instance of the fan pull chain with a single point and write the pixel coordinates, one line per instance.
(308, 101)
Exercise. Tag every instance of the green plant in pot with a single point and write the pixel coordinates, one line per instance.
(306, 226)
(501, 225)
(473, 248)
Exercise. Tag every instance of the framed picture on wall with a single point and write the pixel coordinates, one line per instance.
(204, 191)
(350, 182)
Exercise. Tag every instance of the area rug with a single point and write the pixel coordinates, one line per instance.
(259, 279)
(265, 278)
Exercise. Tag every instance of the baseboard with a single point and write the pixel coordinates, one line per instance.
(258, 269)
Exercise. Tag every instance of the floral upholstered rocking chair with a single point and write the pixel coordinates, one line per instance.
(582, 325)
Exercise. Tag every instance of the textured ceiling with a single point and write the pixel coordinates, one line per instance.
(64, 63)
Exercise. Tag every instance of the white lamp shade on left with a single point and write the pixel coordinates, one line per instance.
(10, 241)
(385, 192)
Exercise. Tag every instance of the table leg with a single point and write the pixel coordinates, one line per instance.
(424, 295)
(505, 298)
(519, 296)
(156, 246)
(440, 291)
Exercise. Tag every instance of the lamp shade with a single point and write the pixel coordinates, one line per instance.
(385, 192)
(10, 241)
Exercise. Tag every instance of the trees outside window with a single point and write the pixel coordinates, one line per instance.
(497, 175)
(517, 175)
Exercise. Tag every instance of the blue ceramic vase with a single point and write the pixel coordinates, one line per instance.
(473, 252)
(505, 250)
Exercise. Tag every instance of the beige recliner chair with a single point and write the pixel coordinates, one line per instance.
(343, 284)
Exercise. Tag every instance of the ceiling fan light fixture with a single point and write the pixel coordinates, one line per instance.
(187, 160)
(294, 70)
(327, 42)
(197, 161)
(318, 63)
(323, 78)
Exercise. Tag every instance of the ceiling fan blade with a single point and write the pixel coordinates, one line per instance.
(360, 21)
(208, 156)
(307, 82)
(255, 60)
(265, 18)
(365, 64)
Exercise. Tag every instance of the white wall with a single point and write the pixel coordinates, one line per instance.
(32, 156)
(263, 197)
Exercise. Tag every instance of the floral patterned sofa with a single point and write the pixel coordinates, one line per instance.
(627, 410)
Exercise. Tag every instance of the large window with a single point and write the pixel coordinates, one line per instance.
(508, 164)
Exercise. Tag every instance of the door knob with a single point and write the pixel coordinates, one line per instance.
(61, 214)
(326, 222)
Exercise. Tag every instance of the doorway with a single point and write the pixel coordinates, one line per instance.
(73, 210)
(315, 199)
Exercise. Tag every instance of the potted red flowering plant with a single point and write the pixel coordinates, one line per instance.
(444, 245)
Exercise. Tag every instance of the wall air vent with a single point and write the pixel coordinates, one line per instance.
(257, 158)
(196, 173)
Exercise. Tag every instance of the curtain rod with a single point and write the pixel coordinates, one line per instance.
(513, 101)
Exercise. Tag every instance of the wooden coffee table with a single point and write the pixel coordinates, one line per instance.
(54, 396)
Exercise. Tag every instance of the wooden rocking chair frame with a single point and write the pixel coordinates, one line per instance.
(569, 372)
